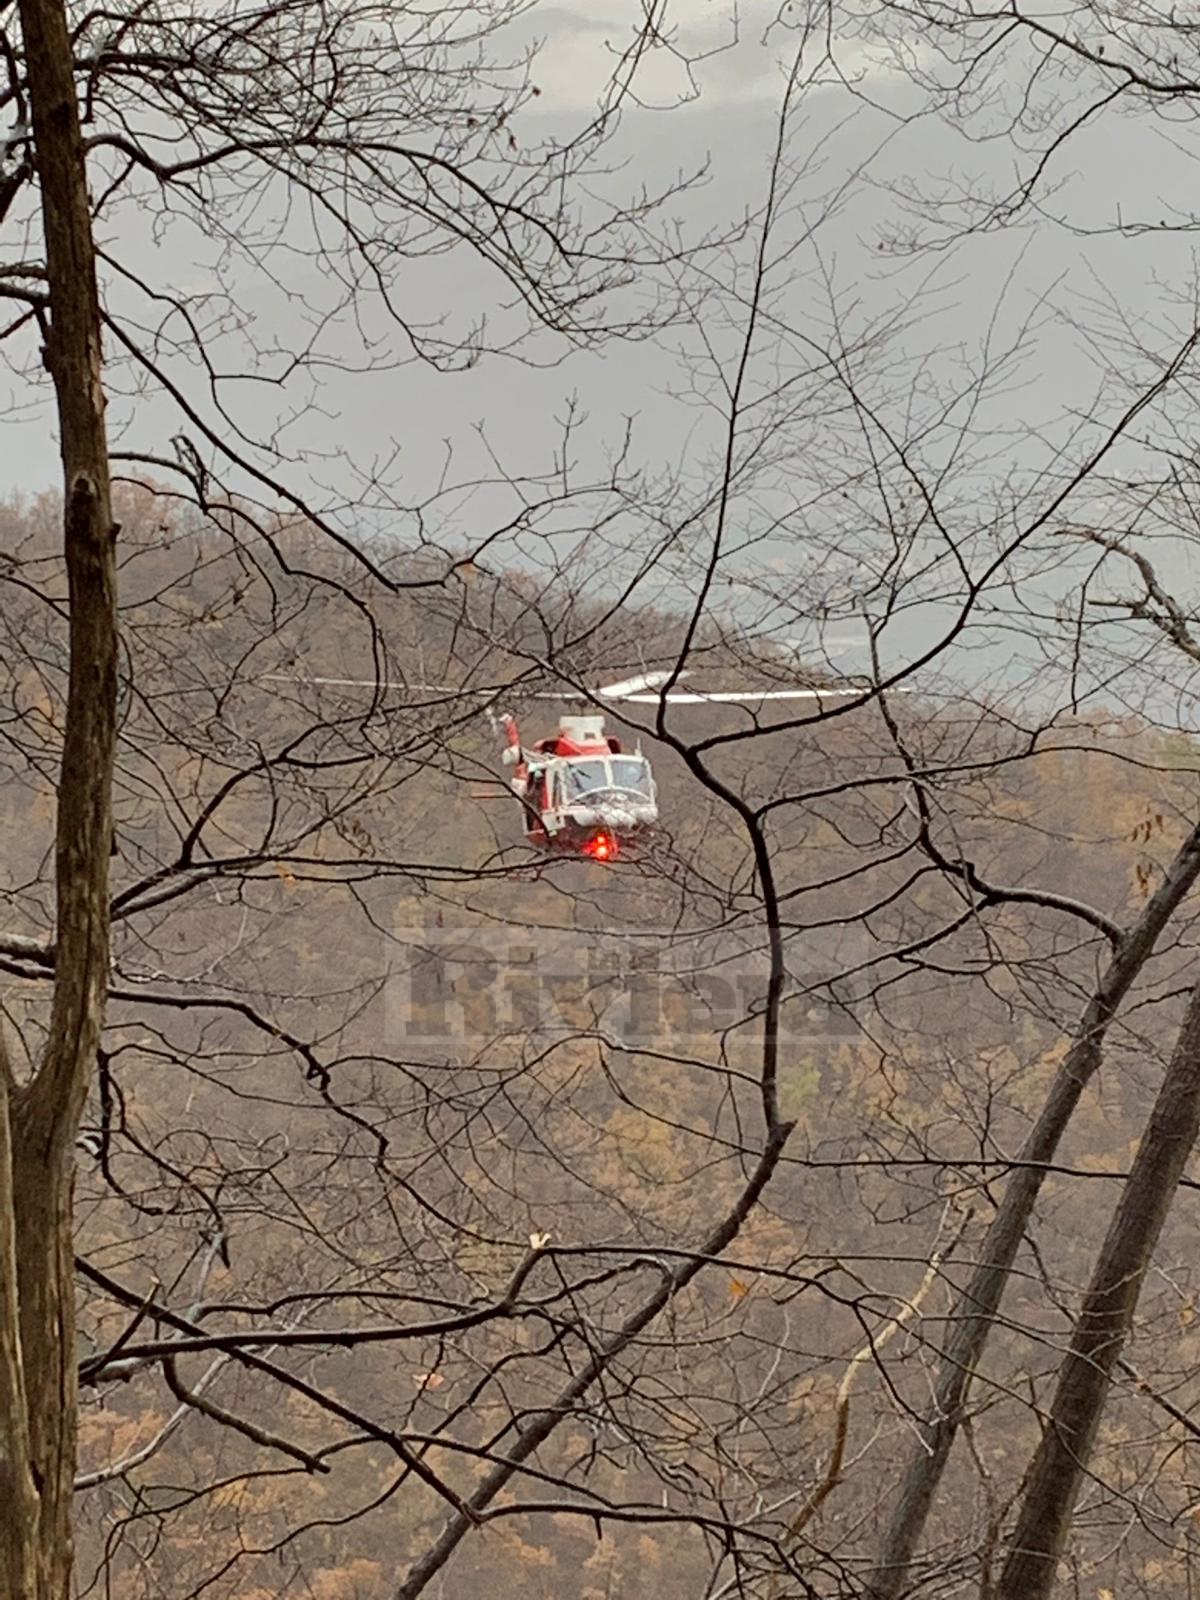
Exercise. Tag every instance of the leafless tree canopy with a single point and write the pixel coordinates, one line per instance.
(800, 1205)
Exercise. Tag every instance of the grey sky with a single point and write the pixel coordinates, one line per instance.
(1119, 167)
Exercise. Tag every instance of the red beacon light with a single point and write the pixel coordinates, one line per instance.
(601, 847)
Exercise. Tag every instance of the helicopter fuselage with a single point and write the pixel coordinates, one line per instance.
(581, 792)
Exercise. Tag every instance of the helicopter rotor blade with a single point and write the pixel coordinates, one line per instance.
(631, 686)
(642, 690)
(435, 688)
(749, 696)
(365, 683)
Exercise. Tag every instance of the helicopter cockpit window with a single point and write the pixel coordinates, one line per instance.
(582, 776)
(631, 774)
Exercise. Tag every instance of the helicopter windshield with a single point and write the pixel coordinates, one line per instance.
(631, 772)
(583, 776)
(628, 773)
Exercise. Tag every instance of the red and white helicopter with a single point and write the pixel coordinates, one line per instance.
(581, 791)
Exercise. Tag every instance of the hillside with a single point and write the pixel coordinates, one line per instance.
(364, 1048)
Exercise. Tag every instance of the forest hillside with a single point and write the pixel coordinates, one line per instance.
(419, 1120)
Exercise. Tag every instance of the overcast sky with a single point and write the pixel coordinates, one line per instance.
(730, 124)
(1120, 167)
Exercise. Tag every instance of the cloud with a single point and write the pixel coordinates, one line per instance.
(713, 57)
(583, 49)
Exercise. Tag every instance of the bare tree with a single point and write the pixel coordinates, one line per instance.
(573, 1278)
(977, 1306)
(41, 1116)
(1104, 1324)
(224, 90)
(1033, 88)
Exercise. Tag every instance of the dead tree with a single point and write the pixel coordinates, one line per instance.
(1105, 1320)
(41, 1116)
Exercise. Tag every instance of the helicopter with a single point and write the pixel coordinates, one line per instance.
(582, 793)
(579, 789)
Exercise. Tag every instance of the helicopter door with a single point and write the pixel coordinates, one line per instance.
(552, 796)
(545, 802)
(534, 798)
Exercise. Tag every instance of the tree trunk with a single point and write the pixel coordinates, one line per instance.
(976, 1307)
(39, 1120)
(1104, 1324)
(18, 1493)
